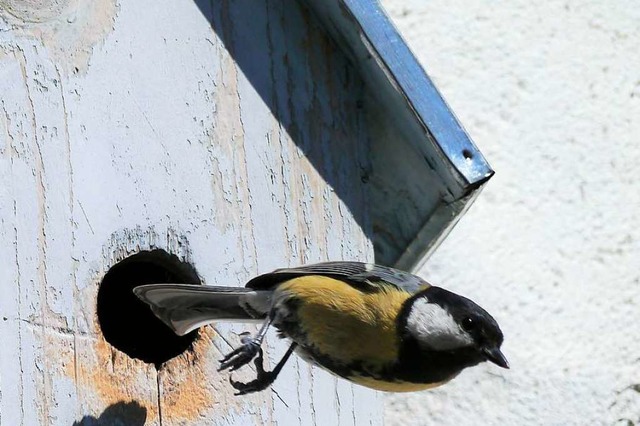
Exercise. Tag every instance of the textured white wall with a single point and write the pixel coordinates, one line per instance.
(550, 91)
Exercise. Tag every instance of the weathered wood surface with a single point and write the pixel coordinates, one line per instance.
(160, 124)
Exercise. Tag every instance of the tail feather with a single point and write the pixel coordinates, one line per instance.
(185, 307)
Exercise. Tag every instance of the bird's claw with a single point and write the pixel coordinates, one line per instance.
(264, 379)
(242, 355)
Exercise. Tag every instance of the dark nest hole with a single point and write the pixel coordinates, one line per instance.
(128, 323)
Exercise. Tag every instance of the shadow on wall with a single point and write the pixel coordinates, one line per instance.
(311, 88)
(118, 414)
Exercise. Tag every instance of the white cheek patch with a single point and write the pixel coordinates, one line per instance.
(433, 327)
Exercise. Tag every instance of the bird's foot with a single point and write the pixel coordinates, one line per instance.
(242, 355)
(261, 382)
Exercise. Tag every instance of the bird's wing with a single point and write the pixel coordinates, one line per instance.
(366, 276)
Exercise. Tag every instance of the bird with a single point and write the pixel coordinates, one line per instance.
(373, 325)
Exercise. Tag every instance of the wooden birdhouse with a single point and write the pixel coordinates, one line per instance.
(203, 142)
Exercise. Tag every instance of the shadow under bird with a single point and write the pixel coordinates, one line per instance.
(375, 326)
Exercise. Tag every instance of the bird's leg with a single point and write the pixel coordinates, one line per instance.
(243, 354)
(265, 378)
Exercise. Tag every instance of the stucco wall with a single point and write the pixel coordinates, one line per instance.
(551, 94)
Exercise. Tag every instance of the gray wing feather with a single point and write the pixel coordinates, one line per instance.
(364, 273)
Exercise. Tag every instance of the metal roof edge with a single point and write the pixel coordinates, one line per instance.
(433, 232)
(379, 38)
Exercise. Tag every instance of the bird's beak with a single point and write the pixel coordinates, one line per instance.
(495, 356)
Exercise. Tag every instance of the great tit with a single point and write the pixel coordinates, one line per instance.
(373, 325)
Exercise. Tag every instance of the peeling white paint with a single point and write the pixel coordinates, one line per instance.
(69, 30)
(132, 126)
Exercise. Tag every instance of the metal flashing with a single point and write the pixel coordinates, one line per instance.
(421, 119)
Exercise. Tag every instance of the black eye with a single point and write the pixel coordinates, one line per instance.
(468, 324)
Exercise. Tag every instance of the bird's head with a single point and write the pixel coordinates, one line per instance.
(442, 321)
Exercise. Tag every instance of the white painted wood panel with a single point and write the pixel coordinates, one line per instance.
(159, 124)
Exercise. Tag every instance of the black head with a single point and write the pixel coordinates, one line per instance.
(440, 320)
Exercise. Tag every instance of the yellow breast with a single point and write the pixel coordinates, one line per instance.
(345, 323)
